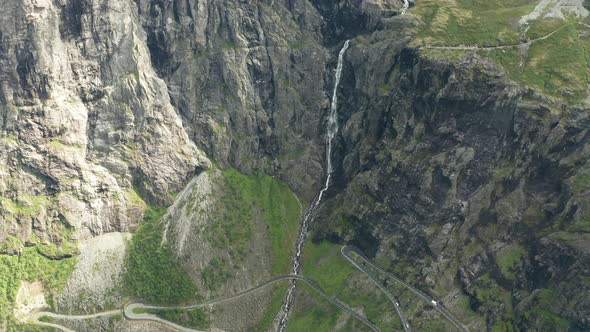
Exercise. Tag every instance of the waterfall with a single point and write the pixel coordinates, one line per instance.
(308, 215)
(406, 6)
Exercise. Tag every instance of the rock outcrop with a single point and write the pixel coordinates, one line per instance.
(85, 121)
(465, 180)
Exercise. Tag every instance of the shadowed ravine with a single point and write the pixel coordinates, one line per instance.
(308, 215)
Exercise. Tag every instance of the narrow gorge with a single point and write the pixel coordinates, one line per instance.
(332, 130)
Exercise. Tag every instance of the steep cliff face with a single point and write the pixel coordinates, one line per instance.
(85, 121)
(467, 183)
(247, 78)
(102, 102)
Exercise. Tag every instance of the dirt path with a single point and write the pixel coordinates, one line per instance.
(499, 47)
(34, 318)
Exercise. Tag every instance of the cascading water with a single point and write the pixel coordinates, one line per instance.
(406, 6)
(307, 217)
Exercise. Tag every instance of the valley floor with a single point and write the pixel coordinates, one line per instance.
(142, 312)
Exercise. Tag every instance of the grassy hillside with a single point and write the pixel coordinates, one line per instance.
(278, 207)
(153, 272)
(544, 53)
(30, 266)
(242, 205)
(324, 264)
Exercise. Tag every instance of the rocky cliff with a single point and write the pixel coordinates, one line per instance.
(461, 170)
(468, 183)
(86, 121)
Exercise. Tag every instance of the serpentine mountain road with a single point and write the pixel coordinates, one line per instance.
(347, 253)
(33, 318)
(130, 314)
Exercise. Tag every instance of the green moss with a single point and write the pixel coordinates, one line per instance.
(132, 197)
(509, 258)
(8, 138)
(229, 45)
(471, 249)
(504, 171)
(153, 272)
(58, 143)
(11, 244)
(543, 314)
(28, 205)
(51, 250)
(299, 44)
(581, 181)
(30, 266)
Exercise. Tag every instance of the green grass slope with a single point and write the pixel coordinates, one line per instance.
(556, 62)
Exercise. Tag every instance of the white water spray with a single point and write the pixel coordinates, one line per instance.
(308, 215)
(406, 6)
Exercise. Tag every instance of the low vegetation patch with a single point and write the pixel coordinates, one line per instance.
(324, 264)
(556, 63)
(216, 273)
(489, 296)
(470, 22)
(153, 272)
(318, 315)
(270, 312)
(544, 314)
(509, 258)
(25, 204)
(246, 198)
(581, 181)
(29, 266)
